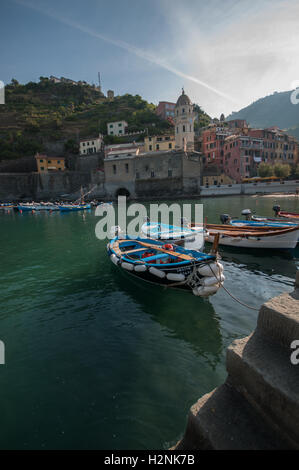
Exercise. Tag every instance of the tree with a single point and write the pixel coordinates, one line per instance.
(265, 170)
(282, 170)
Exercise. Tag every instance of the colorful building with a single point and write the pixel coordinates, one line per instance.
(45, 163)
(159, 143)
(91, 145)
(117, 128)
(165, 109)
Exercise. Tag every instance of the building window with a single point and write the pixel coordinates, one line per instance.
(151, 147)
(58, 161)
(49, 161)
(114, 169)
(42, 168)
(152, 174)
(41, 161)
(157, 147)
(177, 130)
(119, 124)
(170, 145)
(83, 144)
(184, 128)
(120, 131)
(127, 168)
(150, 139)
(169, 173)
(111, 125)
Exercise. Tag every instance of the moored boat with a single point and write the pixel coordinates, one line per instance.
(285, 215)
(281, 238)
(167, 265)
(73, 207)
(173, 233)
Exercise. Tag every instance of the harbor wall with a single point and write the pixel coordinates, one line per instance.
(250, 189)
(257, 408)
(35, 186)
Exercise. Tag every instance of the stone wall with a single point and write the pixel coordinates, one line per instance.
(257, 408)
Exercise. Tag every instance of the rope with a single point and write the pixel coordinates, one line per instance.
(231, 295)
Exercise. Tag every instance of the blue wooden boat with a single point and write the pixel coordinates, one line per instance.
(167, 265)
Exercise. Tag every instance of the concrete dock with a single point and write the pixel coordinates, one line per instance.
(257, 408)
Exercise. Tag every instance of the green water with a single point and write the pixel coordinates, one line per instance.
(97, 360)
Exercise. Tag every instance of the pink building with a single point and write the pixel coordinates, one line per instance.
(165, 109)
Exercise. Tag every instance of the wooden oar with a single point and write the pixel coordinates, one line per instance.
(169, 252)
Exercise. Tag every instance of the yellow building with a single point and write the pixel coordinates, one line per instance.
(216, 179)
(45, 163)
(156, 143)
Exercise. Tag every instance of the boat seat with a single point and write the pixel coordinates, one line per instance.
(155, 257)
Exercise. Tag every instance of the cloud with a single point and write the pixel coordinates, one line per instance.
(141, 53)
(250, 51)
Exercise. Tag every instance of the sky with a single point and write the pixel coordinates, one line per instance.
(225, 53)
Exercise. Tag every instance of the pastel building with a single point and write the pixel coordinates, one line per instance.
(91, 145)
(117, 128)
(159, 142)
(46, 164)
(165, 109)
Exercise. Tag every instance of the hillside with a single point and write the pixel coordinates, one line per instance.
(273, 110)
(39, 113)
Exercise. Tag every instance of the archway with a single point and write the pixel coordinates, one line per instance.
(122, 192)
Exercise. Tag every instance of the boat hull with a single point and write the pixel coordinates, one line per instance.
(280, 242)
(179, 268)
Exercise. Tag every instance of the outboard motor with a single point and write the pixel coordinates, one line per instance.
(246, 213)
(225, 218)
(276, 210)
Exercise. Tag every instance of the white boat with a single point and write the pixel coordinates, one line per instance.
(255, 237)
(175, 234)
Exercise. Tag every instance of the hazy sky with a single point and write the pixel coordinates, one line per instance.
(226, 53)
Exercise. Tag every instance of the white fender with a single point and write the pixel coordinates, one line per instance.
(175, 277)
(209, 269)
(211, 281)
(127, 266)
(157, 272)
(140, 268)
(205, 291)
(114, 258)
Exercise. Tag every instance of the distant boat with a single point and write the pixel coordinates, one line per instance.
(167, 265)
(6, 206)
(255, 237)
(37, 207)
(171, 233)
(73, 207)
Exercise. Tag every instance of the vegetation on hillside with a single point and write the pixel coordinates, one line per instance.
(37, 113)
(272, 110)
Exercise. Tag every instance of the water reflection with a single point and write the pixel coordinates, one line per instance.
(185, 316)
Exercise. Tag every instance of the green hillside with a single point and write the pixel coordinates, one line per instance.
(38, 113)
(273, 110)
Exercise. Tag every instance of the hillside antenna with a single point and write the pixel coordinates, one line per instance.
(100, 85)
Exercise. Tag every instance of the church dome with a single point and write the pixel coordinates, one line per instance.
(183, 100)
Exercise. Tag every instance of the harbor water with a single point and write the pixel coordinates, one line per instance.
(97, 360)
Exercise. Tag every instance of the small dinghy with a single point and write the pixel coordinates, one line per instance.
(281, 238)
(286, 215)
(167, 265)
(173, 233)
